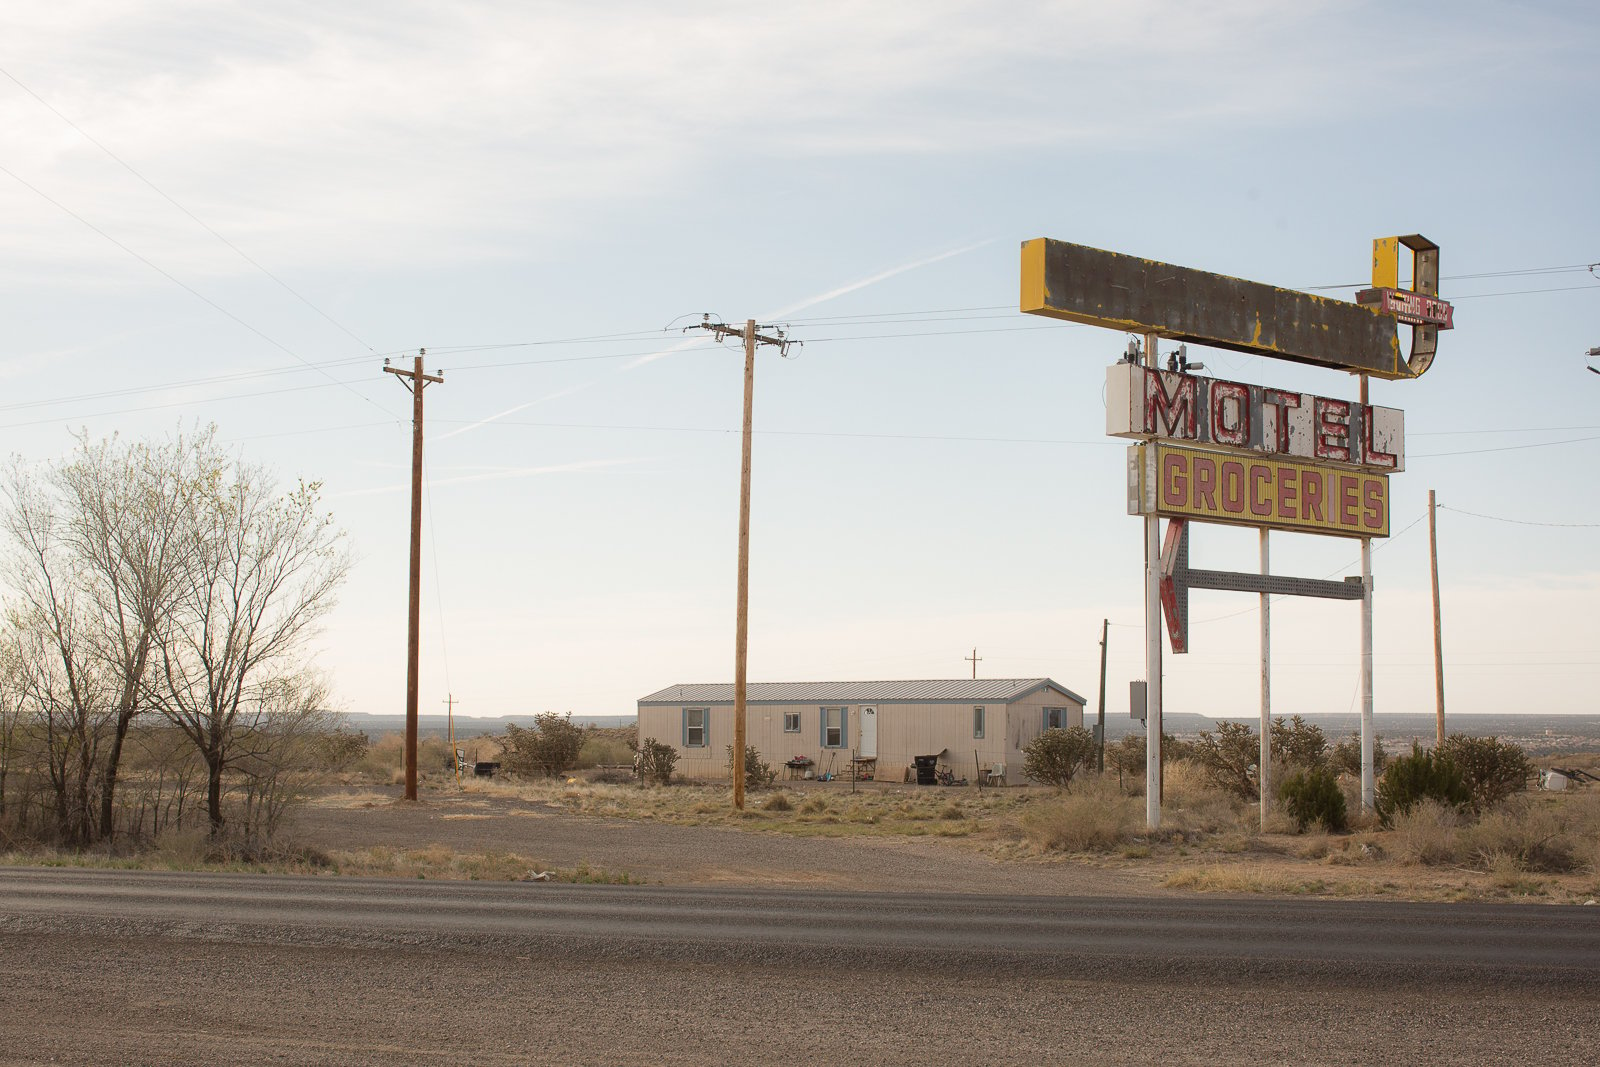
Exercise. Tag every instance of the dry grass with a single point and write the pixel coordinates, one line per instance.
(1095, 817)
(1533, 834)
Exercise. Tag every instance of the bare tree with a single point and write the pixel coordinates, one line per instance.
(264, 571)
(62, 682)
(127, 523)
(10, 711)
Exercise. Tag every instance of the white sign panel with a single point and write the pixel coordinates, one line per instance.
(1144, 403)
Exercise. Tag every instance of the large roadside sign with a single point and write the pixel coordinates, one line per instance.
(1120, 292)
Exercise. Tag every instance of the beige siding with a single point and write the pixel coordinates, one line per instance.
(904, 731)
(1027, 723)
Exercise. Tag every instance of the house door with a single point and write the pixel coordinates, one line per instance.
(869, 733)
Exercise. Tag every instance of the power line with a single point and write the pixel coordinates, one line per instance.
(1523, 522)
(198, 221)
(185, 286)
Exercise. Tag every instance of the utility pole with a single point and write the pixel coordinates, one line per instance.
(450, 712)
(974, 659)
(1438, 636)
(741, 640)
(1105, 632)
(418, 382)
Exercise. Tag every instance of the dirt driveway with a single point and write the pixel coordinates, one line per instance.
(688, 855)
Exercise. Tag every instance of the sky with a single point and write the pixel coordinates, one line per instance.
(233, 213)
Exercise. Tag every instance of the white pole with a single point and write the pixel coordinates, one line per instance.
(1366, 676)
(1152, 629)
(1265, 763)
(1367, 803)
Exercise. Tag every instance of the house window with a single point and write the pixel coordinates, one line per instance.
(695, 727)
(834, 732)
(977, 722)
(1055, 718)
(791, 722)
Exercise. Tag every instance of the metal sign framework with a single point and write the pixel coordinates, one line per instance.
(1114, 291)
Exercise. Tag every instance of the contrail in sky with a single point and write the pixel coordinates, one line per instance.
(874, 279)
(510, 411)
(819, 298)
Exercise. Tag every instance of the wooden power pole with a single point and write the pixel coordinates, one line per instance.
(974, 659)
(741, 640)
(418, 382)
(1105, 632)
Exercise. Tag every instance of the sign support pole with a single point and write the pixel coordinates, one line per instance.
(1152, 634)
(1265, 759)
(1367, 800)
(1438, 636)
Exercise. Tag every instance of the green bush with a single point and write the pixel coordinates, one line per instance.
(1422, 775)
(1230, 754)
(656, 761)
(1056, 755)
(1313, 797)
(1346, 755)
(1299, 745)
(550, 748)
(757, 772)
(1491, 768)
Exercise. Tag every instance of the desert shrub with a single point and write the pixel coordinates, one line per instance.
(656, 761)
(1229, 756)
(1534, 838)
(1313, 798)
(1056, 755)
(1126, 757)
(758, 774)
(1195, 804)
(777, 802)
(1298, 745)
(1083, 822)
(550, 748)
(1345, 757)
(1421, 775)
(814, 806)
(1425, 833)
(339, 750)
(1231, 753)
(1491, 768)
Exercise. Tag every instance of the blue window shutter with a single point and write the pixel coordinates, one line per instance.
(685, 714)
(822, 719)
(844, 727)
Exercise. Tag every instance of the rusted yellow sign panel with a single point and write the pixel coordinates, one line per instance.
(1099, 288)
(1250, 491)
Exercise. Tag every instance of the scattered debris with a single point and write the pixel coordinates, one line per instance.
(537, 876)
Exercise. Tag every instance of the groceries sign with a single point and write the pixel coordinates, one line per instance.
(1247, 490)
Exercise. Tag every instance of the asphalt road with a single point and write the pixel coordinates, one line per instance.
(136, 967)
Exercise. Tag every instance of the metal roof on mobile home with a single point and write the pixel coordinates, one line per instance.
(931, 691)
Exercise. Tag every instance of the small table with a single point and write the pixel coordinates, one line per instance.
(797, 768)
